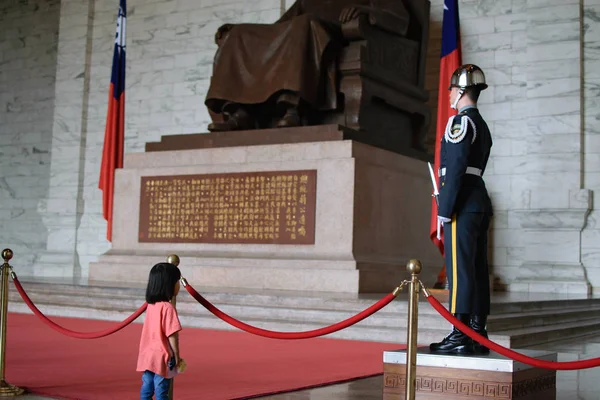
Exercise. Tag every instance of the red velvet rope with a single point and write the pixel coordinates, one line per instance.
(554, 365)
(67, 332)
(291, 335)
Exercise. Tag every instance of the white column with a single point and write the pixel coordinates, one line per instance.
(550, 168)
(62, 209)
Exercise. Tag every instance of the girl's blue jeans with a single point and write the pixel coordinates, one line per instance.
(154, 384)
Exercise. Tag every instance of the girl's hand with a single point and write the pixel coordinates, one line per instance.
(181, 366)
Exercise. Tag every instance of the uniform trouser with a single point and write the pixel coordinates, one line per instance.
(465, 245)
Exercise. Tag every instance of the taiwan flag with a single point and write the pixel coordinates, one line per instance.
(451, 58)
(114, 134)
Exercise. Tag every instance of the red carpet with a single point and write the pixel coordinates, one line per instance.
(221, 364)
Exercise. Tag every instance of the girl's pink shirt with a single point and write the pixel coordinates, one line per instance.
(161, 322)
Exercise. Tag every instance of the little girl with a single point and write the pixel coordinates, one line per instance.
(158, 356)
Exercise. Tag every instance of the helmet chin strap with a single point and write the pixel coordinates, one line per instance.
(460, 93)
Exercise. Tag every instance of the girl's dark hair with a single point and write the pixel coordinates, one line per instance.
(161, 282)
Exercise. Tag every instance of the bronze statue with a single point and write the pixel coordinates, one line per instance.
(292, 72)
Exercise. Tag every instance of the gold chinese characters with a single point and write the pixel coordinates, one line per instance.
(267, 207)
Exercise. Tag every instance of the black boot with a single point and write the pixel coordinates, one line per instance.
(478, 323)
(456, 342)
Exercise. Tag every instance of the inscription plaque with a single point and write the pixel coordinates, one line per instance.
(274, 207)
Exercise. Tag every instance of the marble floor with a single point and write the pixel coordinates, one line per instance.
(571, 385)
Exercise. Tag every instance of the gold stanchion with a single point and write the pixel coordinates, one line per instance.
(414, 267)
(6, 389)
(173, 259)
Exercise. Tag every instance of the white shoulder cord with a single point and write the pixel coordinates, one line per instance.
(457, 137)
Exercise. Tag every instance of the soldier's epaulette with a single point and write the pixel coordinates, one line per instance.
(456, 132)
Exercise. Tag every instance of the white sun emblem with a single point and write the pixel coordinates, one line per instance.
(120, 34)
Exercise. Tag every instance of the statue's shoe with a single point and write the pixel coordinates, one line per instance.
(238, 121)
(222, 126)
(290, 119)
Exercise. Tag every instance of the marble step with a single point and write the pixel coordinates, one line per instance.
(532, 336)
(518, 338)
(572, 315)
(359, 331)
(389, 316)
(384, 326)
(189, 307)
(328, 301)
(536, 305)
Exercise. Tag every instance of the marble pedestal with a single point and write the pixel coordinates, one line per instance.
(453, 377)
(372, 215)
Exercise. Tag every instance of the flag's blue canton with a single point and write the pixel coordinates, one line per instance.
(450, 27)
(117, 77)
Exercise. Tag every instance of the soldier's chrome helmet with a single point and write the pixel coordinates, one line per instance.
(466, 76)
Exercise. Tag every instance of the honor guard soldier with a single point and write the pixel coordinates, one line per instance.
(465, 210)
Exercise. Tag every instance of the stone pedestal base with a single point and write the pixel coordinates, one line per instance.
(469, 377)
(372, 215)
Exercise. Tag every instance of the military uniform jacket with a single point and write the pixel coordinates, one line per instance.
(464, 154)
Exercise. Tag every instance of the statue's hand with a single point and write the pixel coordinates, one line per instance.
(348, 14)
(222, 31)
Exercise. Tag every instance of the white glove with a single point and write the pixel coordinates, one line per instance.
(444, 220)
(440, 222)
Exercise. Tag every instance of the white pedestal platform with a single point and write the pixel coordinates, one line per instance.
(372, 216)
(470, 376)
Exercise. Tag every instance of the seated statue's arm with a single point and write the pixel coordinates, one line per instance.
(389, 21)
(389, 15)
(393, 7)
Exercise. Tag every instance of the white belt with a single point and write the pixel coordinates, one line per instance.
(470, 171)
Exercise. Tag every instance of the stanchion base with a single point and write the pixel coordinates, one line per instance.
(474, 377)
(8, 390)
